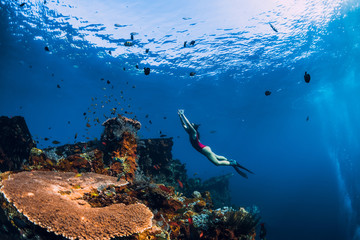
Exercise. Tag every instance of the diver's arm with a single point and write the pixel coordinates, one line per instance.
(183, 122)
(188, 123)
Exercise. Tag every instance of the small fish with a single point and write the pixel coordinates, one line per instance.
(58, 86)
(307, 77)
(84, 113)
(185, 43)
(47, 48)
(157, 167)
(147, 71)
(164, 117)
(307, 118)
(273, 28)
(201, 234)
(108, 82)
(147, 50)
(180, 183)
(55, 142)
(46, 139)
(192, 43)
(103, 143)
(109, 52)
(129, 43)
(190, 220)
(212, 131)
(267, 93)
(23, 4)
(192, 74)
(137, 66)
(163, 135)
(150, 121)
(88, 125)
(76, 135)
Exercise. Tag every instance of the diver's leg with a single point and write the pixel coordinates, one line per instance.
(221, 158)
(213, 157)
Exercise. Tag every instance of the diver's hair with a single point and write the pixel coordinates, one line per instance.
(196, 126)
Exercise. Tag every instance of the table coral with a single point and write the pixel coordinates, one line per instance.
(54, 201)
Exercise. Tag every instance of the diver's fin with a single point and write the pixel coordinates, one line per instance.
(240, 172)
(238, 165)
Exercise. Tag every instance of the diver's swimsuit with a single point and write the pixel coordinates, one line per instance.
(196, 143)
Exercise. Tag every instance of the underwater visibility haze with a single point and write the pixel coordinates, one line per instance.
(236, 67)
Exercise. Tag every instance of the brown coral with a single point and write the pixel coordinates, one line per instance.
(128, 152)
(53, 200)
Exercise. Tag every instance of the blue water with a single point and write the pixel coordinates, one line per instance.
(307, 181)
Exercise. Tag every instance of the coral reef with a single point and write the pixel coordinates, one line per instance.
(120, 139)
(15, 143)
(217, 186)
(156, 162)
(119, 187)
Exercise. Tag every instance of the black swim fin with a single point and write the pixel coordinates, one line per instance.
(238, 165)
(240, 172)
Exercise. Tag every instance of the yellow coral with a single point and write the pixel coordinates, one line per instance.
(36, 151)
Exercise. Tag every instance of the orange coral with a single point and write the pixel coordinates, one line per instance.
(74, 163)
(127, 153)
(53, 200)
(97, 163)
(40, 161)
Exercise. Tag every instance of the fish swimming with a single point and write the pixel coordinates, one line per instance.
(273, 28)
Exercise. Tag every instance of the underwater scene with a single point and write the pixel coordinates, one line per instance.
(233, 119)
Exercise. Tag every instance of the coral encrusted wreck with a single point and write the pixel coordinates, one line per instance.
(117, 188)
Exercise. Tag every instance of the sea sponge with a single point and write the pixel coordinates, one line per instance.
(53, 200)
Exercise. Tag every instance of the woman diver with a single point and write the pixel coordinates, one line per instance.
(194, 136)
